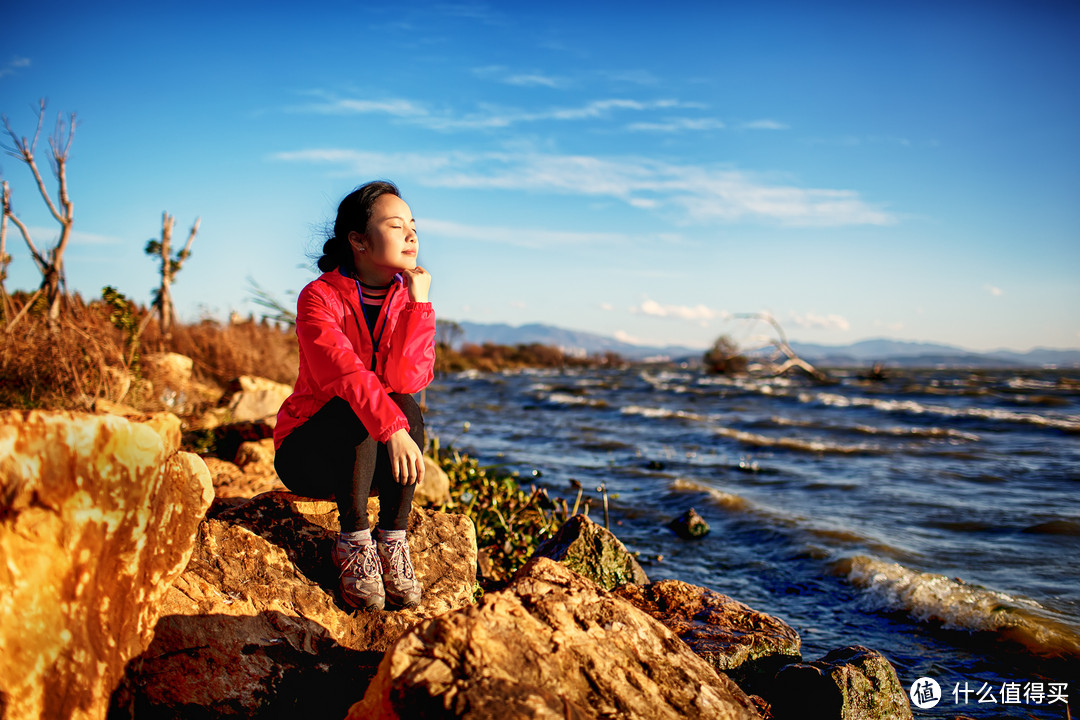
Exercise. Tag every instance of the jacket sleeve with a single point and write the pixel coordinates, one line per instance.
(411, 365)
(337, 369)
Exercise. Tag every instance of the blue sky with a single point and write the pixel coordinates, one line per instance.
(909, 170)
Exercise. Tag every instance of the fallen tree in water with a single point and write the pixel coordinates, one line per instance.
(724, 357)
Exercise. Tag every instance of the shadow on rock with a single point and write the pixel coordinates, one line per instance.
(267, 665)
(255, 622)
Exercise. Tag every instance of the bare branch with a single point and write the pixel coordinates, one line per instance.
(191, 238)
(25, 308)
(782, 345)
(51, 265)
(39, 260)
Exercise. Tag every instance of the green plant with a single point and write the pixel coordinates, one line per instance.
(122, 316)
(511, 522)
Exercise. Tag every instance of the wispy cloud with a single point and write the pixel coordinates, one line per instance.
(623, 336)
(694, 313)
(815, 321)
(674, 125)
(480, 12)
(13, 66)
(44, 235)
(993, 290)
(520, 237)
(859, 140)
(697, 193)
(487, 117)
(764, 124)
(633, 77)
(329, 104)
(501, 74)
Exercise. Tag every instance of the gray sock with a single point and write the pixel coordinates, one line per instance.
(388, 535)
(356, 537)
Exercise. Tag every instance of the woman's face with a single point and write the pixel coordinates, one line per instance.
(390, 244)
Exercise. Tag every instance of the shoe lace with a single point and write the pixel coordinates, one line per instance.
(399, 560)
(363, 561)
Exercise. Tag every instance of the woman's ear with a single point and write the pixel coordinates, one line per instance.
(356, 240)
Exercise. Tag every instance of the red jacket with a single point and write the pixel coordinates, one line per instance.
(336, 355)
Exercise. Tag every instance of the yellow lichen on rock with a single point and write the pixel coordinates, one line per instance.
(97, 517)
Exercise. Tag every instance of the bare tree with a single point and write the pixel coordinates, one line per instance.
(51, 262)
(5, 259)
(170, 265)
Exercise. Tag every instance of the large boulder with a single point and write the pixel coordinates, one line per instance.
(552, 645)
(250, 398)
(593, 551)
(98, 516)
(435, 490)
(255, 625)
(168, 380)
(232, 481)
(851, 683)
(748, 645)
(167, 370)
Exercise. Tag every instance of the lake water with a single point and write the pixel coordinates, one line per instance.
(934, 516)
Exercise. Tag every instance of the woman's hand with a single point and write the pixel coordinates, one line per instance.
(418, 281)
(406, 458)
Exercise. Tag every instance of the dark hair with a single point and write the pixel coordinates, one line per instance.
(353, 213)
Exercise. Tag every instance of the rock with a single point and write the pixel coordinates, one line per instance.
(255, 626)
(552, 645)
(748, 645)
(592, 551)
(103, 406)
(251, 398)
(97, 518)
(852, 683)
(167, 370)
(225, 439)
(211, 419)
(257, 451)
(689, 525)
(253, 479)
(435, 490)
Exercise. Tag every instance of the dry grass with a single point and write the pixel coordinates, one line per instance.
(93, 353)
(223, 352)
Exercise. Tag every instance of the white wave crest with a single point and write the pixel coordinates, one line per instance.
(791, 443)
(1066, 422)
(653, 412)
(958, 606)
(721, 498)
(560, 398)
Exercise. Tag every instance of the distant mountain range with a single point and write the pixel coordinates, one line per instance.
(865, 352)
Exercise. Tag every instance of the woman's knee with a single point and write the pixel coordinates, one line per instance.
(412, 414)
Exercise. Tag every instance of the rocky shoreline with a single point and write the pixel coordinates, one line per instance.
(139, 584)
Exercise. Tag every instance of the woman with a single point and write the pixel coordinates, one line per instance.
(367, 342)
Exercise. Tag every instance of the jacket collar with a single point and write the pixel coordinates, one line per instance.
(344, 283)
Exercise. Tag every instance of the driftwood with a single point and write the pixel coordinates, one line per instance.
(783, 348)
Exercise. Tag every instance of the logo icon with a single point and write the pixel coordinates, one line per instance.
(925, 693)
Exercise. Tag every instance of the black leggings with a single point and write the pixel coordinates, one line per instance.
(332, 455)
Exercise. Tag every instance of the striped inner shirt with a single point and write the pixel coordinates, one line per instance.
(372, 296)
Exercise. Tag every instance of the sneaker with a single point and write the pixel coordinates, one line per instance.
(361, 574)
(399, 579)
